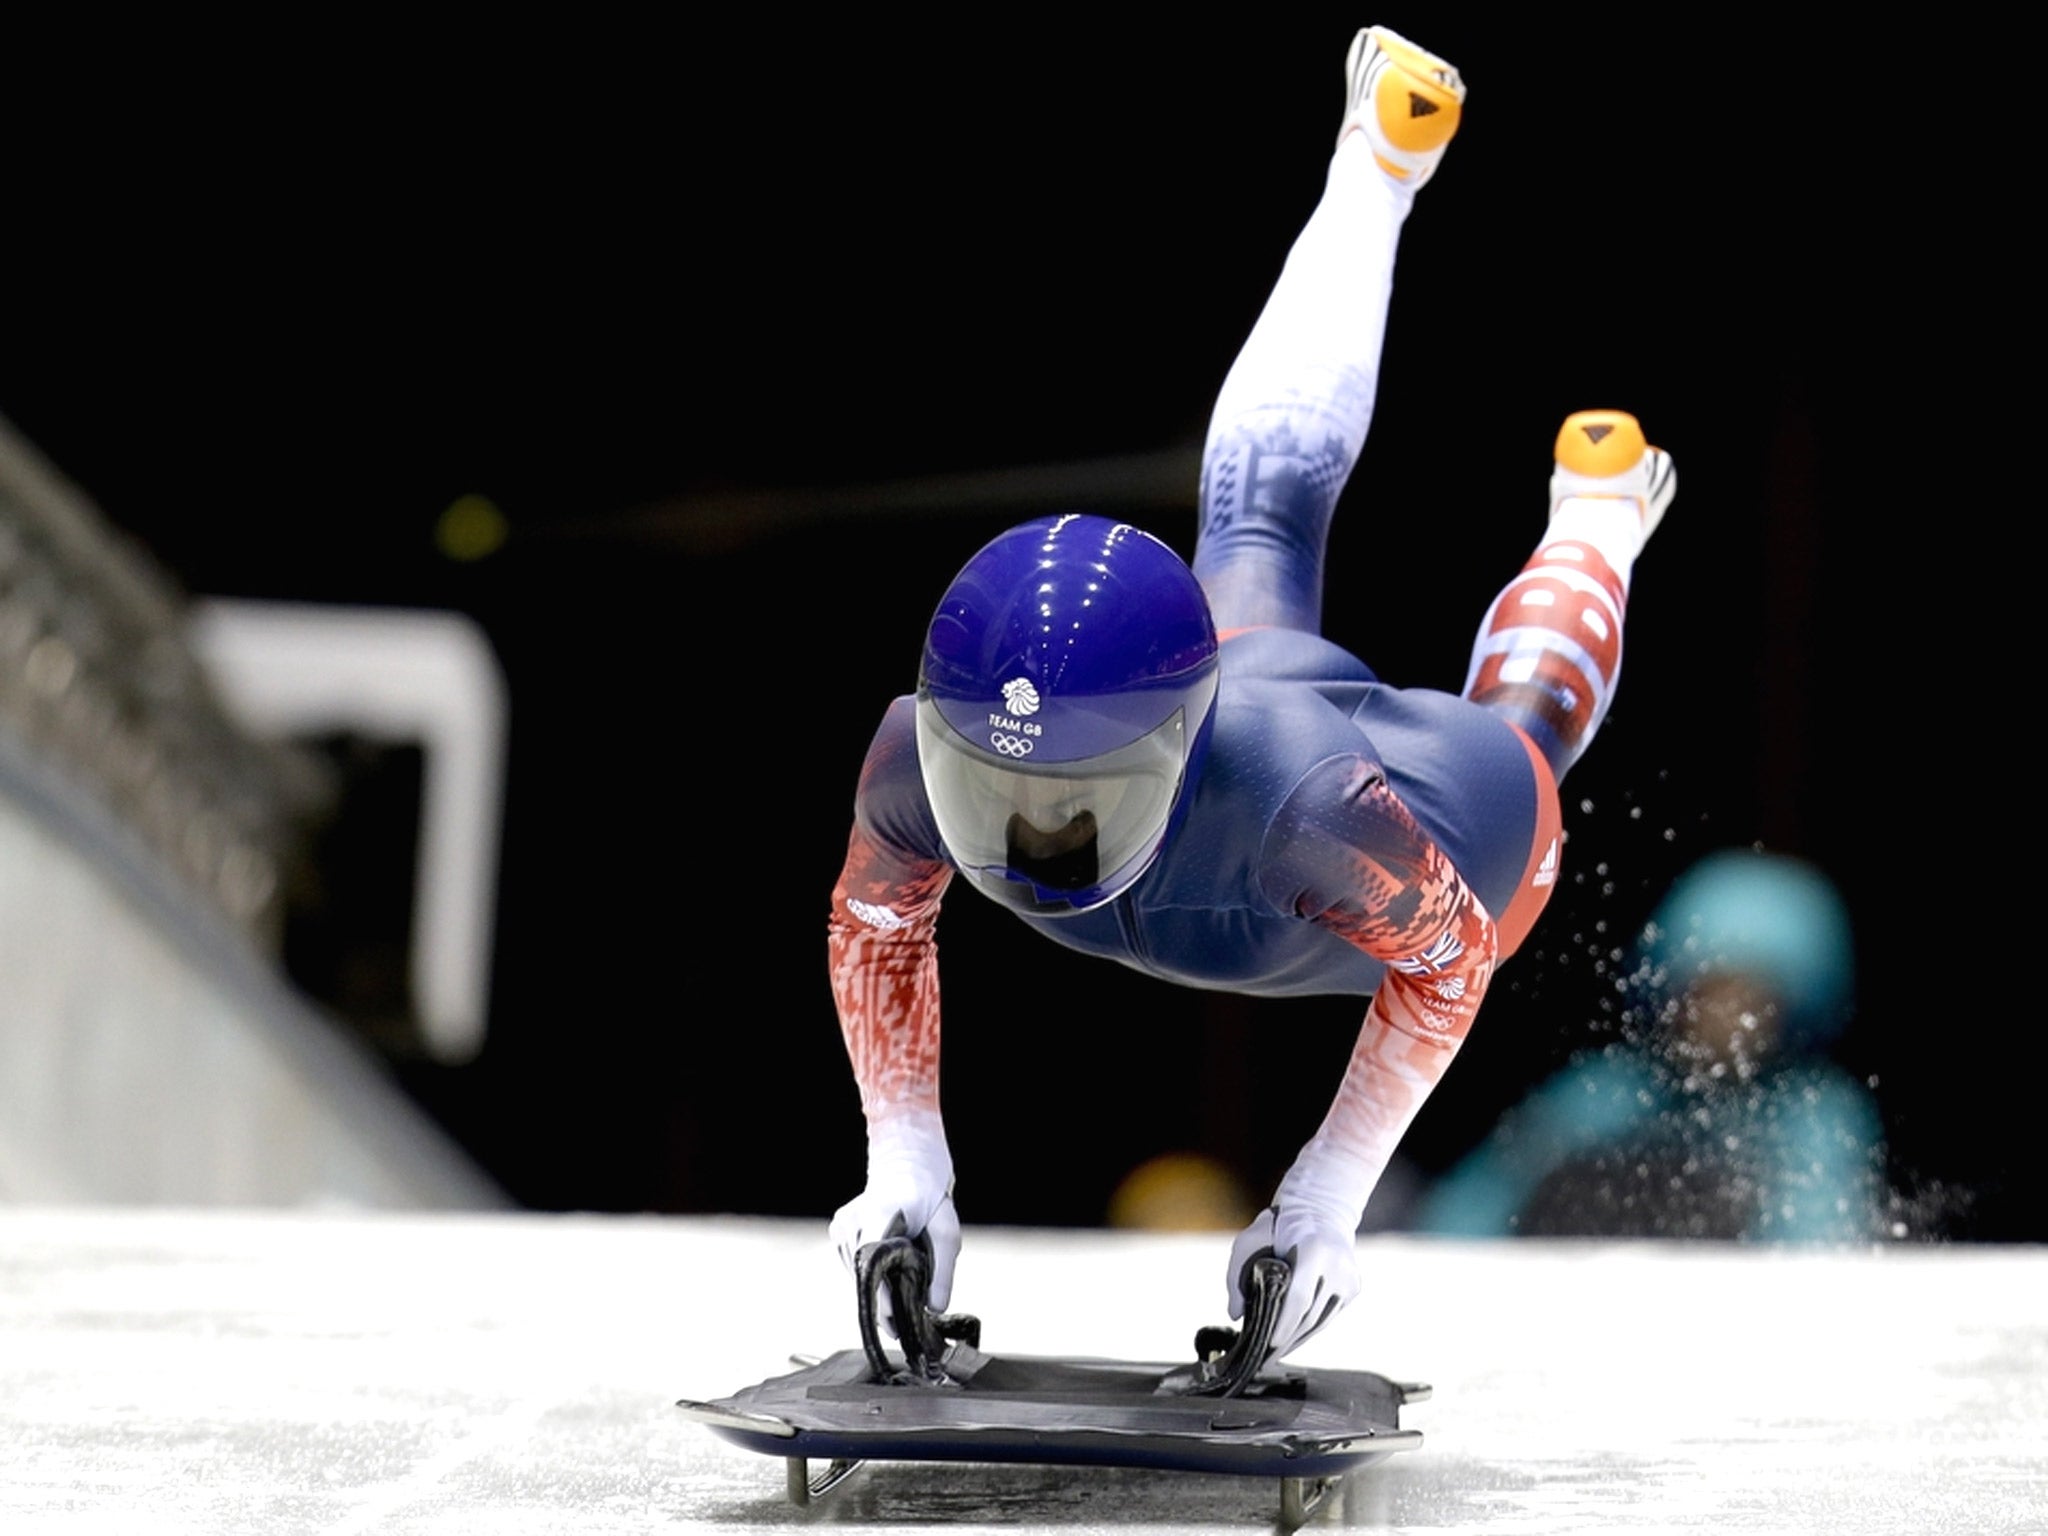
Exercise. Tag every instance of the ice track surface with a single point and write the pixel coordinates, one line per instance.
(174, 1372)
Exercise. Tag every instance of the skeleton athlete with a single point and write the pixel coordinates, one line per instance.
(1166, 765)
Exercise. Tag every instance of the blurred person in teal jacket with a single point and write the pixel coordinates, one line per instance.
(1720, 1114)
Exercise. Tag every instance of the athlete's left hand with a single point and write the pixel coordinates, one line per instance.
(1322, 1252)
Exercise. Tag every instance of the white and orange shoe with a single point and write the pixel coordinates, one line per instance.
(1405, 100)
(1604, 455)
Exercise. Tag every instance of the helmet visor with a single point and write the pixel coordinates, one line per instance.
(1056, 835)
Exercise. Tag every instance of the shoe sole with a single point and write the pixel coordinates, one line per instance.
(1600, 444)
(1419, 112)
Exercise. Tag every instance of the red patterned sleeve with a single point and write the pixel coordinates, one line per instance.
(884, 956)
(882, 935)
(1377, 880)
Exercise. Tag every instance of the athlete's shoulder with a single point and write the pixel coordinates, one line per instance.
(890, 802)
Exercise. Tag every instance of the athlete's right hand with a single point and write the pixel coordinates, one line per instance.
(909, 1191)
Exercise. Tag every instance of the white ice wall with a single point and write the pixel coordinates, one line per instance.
(149, 1056)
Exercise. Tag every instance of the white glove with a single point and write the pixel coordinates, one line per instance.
(910, 1181)
(1322, 1252)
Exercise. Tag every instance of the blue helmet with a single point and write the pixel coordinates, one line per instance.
(1063, 706)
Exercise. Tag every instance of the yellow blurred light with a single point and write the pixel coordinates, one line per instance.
(1181, 1192)
(471, 529)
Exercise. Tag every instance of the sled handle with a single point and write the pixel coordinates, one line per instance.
(1264, 1282)
(904, 1265)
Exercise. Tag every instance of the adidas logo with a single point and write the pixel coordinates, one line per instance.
(1546, 872)
(1421, 106)
(1597, 433)
(884, 918)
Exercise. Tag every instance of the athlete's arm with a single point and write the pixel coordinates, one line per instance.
(1354, 861)
(883, 955)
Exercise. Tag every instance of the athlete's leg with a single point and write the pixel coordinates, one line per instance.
(1291, 419)
(1549, 650)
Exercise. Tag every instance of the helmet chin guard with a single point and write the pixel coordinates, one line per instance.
(1063, 705)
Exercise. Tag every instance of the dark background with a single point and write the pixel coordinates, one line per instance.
(708, 316)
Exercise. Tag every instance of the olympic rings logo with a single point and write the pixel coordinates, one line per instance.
(1010, 746)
